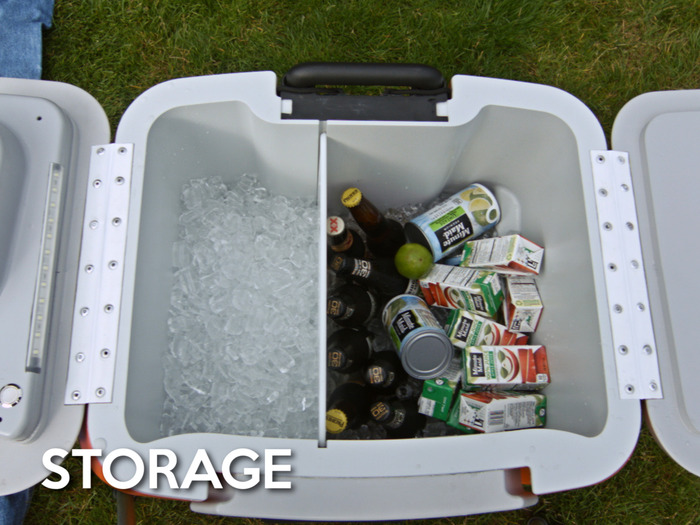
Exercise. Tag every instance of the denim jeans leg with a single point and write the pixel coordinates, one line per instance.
(21, 24)
(14, 507)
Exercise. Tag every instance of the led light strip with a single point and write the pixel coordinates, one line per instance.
(44, 286)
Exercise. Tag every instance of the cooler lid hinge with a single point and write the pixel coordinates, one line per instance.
(100, 275)
(628, 301)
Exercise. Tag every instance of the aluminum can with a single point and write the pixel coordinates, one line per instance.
(423, 346)
(445, 228)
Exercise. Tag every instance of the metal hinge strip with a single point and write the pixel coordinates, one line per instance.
(100, 276)
(632, 330)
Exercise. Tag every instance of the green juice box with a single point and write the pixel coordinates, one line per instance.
(456, 287)
(437, 395)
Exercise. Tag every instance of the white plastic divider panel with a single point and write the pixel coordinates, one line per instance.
(322, 284)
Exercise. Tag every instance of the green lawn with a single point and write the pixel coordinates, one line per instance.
(602, 51)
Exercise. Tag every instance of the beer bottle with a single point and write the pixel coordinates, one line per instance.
(343, 239)
(349, 349)
(379, 274)
(384, 372)
(409, 388)
(351, 305)
(348, 407)
(384, 236)
(400, 419)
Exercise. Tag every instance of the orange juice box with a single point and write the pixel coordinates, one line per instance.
(511, 254)
(499, 411)
(505, 367)
(466, 328)
(456, 287)
(522, 305)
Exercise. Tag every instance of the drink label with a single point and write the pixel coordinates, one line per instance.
(336, 359)
(452, 228)
(465, 328)
(361, 268)
(379, 411)
(404, 323)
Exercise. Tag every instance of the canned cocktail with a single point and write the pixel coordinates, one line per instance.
(444, 228)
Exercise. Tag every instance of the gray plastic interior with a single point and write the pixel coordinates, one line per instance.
(530, 159)
(35, 137)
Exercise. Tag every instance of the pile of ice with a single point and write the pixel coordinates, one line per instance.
(243, 330)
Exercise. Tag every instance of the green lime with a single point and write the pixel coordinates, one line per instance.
(413, 260)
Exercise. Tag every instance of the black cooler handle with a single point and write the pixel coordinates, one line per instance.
(307, 86)
(312, 74)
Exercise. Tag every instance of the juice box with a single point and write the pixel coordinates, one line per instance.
(498, 411)
(522, 305)
(453, 420)
(505, 367)
(466, 328)
(511, 254)
(437, 395)
(456, 287)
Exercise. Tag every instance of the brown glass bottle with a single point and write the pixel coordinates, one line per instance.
(348, 407)
(401, 420)
(384, 236)
(351, 305)
(377, 274)
(384, 373)
(349, 350)
(343, 239)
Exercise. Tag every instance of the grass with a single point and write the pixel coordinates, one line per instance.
(603, 51)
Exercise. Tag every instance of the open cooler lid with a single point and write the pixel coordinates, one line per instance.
(47, 130)
(661, 133)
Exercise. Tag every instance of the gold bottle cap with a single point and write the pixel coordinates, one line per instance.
(351, 197)
(336, 421)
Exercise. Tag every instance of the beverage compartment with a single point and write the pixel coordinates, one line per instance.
(530, 160)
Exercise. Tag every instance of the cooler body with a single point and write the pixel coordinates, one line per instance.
(530, 144)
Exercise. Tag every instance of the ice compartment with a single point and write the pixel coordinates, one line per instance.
(223, 140)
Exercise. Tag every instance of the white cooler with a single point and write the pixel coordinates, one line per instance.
(89, 328)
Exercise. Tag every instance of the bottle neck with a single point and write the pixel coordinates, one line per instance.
(368, 216)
